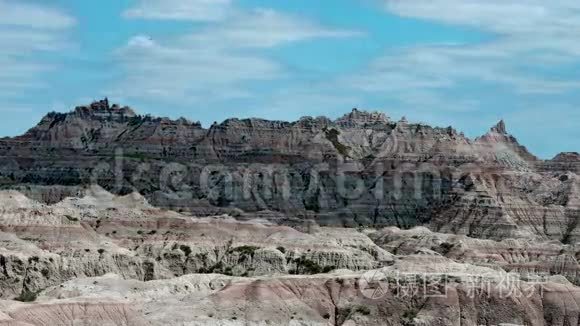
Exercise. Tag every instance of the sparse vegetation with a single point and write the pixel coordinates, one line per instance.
(328, 269)
(34, 259)
(446, 247)
(245, 250)
(71, 218)
(26, 296)
(186, 250)
(135, 121)
(408, 316)
(363, 310)
(332, 136)
(216, 268)
(307, 266)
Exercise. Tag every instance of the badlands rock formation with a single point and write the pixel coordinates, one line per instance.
(45, 245)
(112, 218)
(362, 169)
(107, 260)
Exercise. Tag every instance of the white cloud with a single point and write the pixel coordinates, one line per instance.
(180, 70)
(502, 16)
(262, 28)
(20, 14)
(217, 61)
(187, 10)
(25, 30)
(520, 25)
(498, 15)
(534, 33)
(20, 41)
(450, 66)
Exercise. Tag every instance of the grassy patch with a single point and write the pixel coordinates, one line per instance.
(245, 250)
(71, 218)
(408, 316)
(27, 296)
(186, 250)
(307, 266)
(332, 136)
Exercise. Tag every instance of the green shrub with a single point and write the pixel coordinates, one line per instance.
(332, 136)
(26, 296)
(328, 269)
(71, 218)
(446, 247)
(245, 250)
(307, 266)
(363, 310)
(33, 259)
(409, 315)
(186, 250)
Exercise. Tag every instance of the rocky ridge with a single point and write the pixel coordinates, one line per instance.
(360, 169)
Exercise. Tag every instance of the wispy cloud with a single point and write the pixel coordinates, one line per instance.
(177, 71)
(216, 61)
(531, 17)
(19, 41)
(187, 10)
(524, 64)
(29, 15)
(527, 35)
(26, 29)
(448, 67)
(264, 28)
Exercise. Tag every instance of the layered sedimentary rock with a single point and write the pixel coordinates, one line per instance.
(342, 298)
(523, 256)
(362, 169)
(43, 245)
(101, 259)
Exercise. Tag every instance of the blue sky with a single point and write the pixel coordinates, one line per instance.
(466, 63)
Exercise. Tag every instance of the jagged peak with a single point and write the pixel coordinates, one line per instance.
(360, 117)
(499, 128)
(497, 133)
(97, 109)
(102, 108)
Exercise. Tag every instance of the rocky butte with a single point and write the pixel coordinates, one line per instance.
(362, 169)
(111, 217)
